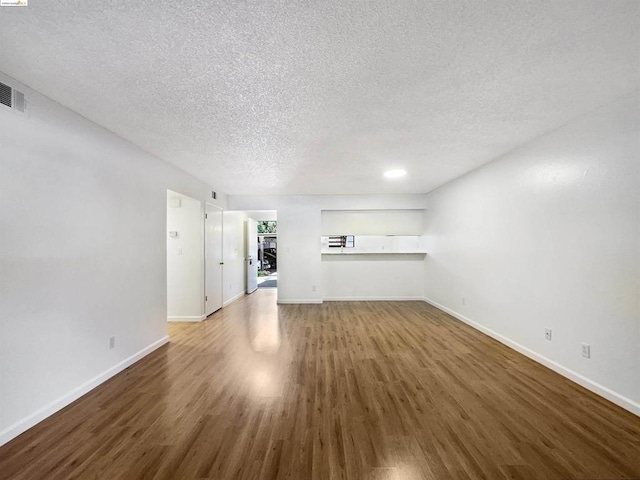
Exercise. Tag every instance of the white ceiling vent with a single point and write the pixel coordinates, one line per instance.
(12, 99)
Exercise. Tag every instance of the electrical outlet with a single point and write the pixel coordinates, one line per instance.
(313, 288)
(547, 333)
(586, 350)
(464, 301)
(112, 343)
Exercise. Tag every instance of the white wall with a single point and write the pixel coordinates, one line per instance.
(549, 236)
(82, 257)
(185, 258)
(234, 277)
(373, 222)
(300, 270)
(373, 277)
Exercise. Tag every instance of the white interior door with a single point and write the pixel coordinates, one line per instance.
(213, 260)
(252, 255)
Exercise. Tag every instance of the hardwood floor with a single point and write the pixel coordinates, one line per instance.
(363, 390)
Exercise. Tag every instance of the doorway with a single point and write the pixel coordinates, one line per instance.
(267, 254)
(184, 258)
(261, 240)
(194, 258)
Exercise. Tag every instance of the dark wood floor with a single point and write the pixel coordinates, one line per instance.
(363, 390)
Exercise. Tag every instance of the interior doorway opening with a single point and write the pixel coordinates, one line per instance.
(261, 250)
(267, 254)
(185, 268)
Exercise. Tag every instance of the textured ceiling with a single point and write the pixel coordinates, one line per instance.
(323, 96)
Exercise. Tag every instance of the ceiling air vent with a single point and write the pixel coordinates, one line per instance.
(6, 95)
(13, 99)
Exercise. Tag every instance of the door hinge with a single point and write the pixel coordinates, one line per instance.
(206, 298)
(206, 215)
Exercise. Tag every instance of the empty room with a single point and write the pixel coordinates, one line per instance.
(386, 240)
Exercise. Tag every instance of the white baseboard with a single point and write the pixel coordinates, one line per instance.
(26, 423)
(295, 301)
(198, 318)
(234, 298)
(587, 383)
(348, 299)
(372, 299)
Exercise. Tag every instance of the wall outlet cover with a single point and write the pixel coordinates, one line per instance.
(586, 350)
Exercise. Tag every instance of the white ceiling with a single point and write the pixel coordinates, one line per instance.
(322, 97)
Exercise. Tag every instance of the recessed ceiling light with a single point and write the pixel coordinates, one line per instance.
(395, 173)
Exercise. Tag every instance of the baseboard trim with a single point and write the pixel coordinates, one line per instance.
(26, 423)
(234, 298)
(581, 380)
(296, 301)
(198, 318)
(373, 299)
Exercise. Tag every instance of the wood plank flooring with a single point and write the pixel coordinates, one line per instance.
(362, 390)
